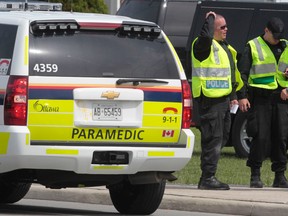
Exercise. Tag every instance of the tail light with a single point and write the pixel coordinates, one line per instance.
(15, 107)
(187, 104)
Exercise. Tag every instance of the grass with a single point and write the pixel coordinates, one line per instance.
(231, 169)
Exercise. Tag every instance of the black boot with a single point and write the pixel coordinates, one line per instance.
(211, 183)
(255, 181)
(280, 180)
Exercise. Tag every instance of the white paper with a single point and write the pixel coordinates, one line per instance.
(234, 108)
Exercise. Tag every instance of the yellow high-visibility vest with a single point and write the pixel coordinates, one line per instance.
(282, 65)
(213, 75)
(265, 73)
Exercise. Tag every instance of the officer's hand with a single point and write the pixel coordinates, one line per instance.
(244, 105)
(210, 13)
(233, 102)
(284, 94)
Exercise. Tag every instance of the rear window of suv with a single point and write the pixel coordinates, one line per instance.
(101, 54)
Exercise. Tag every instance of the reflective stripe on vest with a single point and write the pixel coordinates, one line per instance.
(259, 50)
(216, 54)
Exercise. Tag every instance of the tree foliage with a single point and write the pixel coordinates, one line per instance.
(88, 6)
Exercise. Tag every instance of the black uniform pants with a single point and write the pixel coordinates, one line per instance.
(267, 125)
(279, 137)
(259, 127)
(215, 123)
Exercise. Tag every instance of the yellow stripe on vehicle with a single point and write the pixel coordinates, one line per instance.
(108, 167)
(166, 115)
(26, 50)
(163, 121)
(51, 119)
(51, 112)
(61, 152)
(161, 154)
(175, 54)
(162, 108)
(27, 139)
(4, 137)
(51, 106)
(142, 135)
(189, 142)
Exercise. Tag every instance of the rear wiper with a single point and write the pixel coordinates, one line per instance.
(138, 81)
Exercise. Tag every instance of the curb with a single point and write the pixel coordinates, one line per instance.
(230, 207)
(172, 200)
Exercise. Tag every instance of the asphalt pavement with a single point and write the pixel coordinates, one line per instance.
(239, 200)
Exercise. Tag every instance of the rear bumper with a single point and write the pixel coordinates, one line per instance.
(17, 153)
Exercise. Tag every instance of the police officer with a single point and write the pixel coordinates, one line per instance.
(214, 81)
(264, 96)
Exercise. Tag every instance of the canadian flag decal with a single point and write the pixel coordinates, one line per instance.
(167, 133)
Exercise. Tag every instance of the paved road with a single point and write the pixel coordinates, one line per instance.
(239, 200)
(32, 207)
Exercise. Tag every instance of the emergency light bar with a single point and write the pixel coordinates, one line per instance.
(32, 6)
(54, 26)
(140, 29)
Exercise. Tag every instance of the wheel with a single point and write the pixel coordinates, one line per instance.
(11, 192)
(143, 199)
(240, 139)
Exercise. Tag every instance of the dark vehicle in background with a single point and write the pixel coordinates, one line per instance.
(182, 20)
(175, 18)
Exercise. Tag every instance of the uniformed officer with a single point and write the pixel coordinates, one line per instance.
(264, 96)
(214, 80)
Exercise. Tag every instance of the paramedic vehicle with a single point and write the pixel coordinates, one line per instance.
(90, 100)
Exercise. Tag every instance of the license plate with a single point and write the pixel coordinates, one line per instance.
(110, 112)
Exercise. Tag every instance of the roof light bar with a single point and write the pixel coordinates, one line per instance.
(51, 27)
(62, 27)
(137, 29)
(141, 30)
(147, 29)
(56, 26)
(127, 28)
(73, 26)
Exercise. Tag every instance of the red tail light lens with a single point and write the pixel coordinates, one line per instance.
(187, 104)
(15, 107)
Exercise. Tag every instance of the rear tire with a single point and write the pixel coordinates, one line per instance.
(240, 139)
(143, 199)
(12, 191)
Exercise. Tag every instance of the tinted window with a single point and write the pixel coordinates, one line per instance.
(179, 18)
(141, 9)
(7, 42)
(100, 54)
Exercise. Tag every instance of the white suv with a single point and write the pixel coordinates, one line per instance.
(90, 100)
